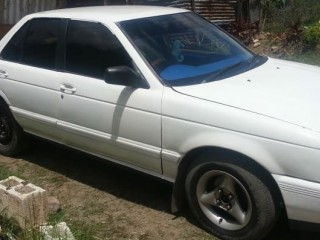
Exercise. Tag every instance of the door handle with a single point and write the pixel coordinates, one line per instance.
(3, 74)
(67, 88)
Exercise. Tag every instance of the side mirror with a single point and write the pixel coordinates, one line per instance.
(125, 76)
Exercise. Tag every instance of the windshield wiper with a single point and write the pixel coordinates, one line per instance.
(217, 74)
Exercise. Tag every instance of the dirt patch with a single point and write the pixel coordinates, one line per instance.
(121, 203)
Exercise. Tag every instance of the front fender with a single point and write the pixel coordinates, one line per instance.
(277, 157)
(251, 146)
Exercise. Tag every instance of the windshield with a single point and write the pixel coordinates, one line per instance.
(185, 49)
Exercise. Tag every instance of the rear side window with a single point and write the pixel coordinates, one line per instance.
(91, 48)
(41, 43)
(13, 50)
(35, 44)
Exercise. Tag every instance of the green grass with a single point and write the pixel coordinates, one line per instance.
(306, 12)
(296, 28)
(4, 173)
(10, 227)
(83, 231)
(79, 230)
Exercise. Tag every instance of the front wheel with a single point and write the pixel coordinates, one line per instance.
(12, 137)
(229, 201)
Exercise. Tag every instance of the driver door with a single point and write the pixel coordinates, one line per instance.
(117, 122)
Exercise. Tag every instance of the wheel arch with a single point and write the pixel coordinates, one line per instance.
(4, 99)
(230, 156)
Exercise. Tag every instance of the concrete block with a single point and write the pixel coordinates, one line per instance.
(23, 201)
(57, 232)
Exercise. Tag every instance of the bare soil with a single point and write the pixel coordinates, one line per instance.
(117, 202)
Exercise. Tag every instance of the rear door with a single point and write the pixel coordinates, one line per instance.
(29, 79)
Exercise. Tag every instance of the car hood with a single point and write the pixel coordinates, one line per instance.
(279, 89)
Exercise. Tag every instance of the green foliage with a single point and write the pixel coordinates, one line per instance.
(273, 3)
(56, 218)
(279, 15)
(311, 36)
(9, 226)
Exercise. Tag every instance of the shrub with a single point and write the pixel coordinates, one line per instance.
(280, 15)
(311, 36)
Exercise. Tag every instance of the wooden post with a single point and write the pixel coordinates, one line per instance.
(60, 4)
(1, 11)
(193, 5)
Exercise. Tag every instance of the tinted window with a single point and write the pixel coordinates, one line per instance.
(41, 43)
(13, 50)
(35, 43)
(91, 48)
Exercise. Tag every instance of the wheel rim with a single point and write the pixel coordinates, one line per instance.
(5, 130)
(224, 200)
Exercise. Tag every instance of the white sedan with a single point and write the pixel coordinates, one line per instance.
(165, 92)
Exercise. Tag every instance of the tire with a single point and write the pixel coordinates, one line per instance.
(229, 201)
(12, 137)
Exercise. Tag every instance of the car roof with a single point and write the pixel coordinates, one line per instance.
(109, 13)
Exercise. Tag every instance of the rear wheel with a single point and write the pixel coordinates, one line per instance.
(12, 137)
(229, 201)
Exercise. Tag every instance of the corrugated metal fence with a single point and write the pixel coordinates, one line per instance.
(214, 10)
(13, 10)
(223, 10)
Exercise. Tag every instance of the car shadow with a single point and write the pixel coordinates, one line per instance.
(123, 182)
(282, 232)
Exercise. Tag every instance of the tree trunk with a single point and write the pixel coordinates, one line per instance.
(1, 11)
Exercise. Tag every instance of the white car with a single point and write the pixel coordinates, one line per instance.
(165, 92)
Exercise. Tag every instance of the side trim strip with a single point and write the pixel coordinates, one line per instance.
(105, 137)
(33, 116)
(170, 156)
(89, 133)
(298, 186)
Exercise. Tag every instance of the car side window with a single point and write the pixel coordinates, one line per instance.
(91, 48)
(35, 43)
(13, 50)
(41, 43)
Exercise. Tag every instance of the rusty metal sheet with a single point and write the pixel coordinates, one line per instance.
(217, 10)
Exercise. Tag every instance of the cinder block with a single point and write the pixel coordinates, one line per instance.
(23, 201)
